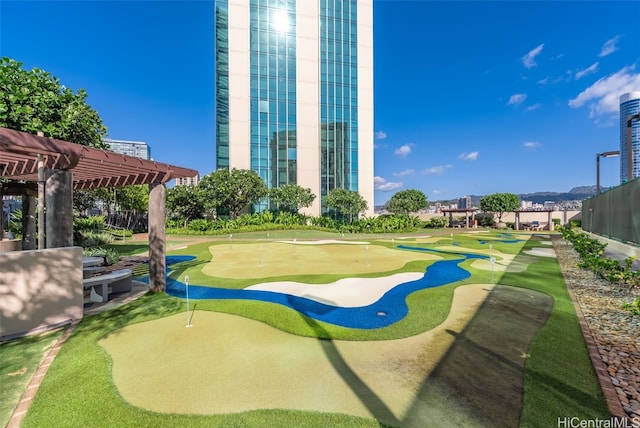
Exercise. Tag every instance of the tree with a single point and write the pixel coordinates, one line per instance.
(132, 198)
(234, 190)
(186, 202)
(406, 201)
(499, 203)
(32, 101)
(291, 197)
(346, 202)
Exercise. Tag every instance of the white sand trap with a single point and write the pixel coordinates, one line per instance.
(345, 292)
(542, 236)
(546, 242)
(541, 252)
(324, 241)
(226, 364)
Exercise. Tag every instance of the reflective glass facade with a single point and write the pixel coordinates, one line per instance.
(272, 64)
(338, 95)
(629, 106)
(222, 83)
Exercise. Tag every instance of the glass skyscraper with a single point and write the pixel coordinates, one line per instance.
(629, 147)
(294, 93)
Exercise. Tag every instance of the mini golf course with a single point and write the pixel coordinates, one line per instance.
(419, 331)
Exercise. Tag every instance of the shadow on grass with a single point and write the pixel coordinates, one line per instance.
(366, 395)
(481, 377)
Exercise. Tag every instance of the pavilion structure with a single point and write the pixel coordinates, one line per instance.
(47, 170)
(466, 211)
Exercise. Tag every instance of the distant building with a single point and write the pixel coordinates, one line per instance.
(136, 149)
(188, 181)
(464, 203)
(629, 106)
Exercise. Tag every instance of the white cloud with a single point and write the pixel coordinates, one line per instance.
(403, 173)
(436, 170)
(544, 81)
(468, 156)
(517, 99)
(532, 107)
(531, 145)
(609, 46)
(380, 135)
(589, 70)
(383, 185)
(403, 150)
(603, 97)
(437, 192)
(529, 60)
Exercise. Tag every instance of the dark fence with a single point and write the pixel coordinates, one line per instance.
(615, 213)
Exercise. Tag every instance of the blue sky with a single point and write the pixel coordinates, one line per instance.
(470, 97)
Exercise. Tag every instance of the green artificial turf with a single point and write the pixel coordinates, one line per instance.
(559, 378)
(19, 359)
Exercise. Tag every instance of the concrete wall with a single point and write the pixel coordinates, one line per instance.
(525, 217)
(39, 289)
(10, 245)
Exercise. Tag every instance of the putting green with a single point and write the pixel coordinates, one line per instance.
(260, 260)
(226, 364)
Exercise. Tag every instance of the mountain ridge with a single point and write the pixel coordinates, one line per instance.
(576, 193)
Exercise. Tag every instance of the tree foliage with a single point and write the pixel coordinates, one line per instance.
(346, 202)
(499, 203)
(132, 198)
(234, 190)
(34, 100)
(186, 203)
(291, 197)
(406, 201)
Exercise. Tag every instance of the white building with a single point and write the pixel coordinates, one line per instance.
(294, 93)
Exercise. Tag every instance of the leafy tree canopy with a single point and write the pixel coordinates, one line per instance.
(499, 203)
(186, 202)
(407, 201)
(291, 197)
(234, 190)
(346, 202)
(32, 101)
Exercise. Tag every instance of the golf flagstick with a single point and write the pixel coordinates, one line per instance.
(186, 282)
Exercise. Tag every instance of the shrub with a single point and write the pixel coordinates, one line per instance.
(111, 255)
(438, 222)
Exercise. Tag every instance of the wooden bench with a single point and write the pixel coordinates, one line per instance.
(118, 280)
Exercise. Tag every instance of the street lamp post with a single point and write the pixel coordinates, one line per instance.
(598, 156)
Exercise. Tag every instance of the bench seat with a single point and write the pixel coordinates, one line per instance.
(118, 280)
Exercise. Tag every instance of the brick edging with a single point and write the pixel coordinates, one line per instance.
(34, 384)
(607, 387)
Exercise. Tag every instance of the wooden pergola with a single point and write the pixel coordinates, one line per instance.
(52, 169)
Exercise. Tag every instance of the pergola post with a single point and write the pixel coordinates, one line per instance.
(1, 215)
(517, 225)
(28, 222)
(157, 258)
(550, 221)
(59, 212)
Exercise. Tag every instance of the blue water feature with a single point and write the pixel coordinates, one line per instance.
(390, 308)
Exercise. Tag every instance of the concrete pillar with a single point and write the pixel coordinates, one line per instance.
(550, 221)
(517, 225)
(28, 222)
(157, 261)
(59, 212)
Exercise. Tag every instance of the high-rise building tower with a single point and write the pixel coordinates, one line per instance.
(294, 93)
(136, 149)
(629, 136)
